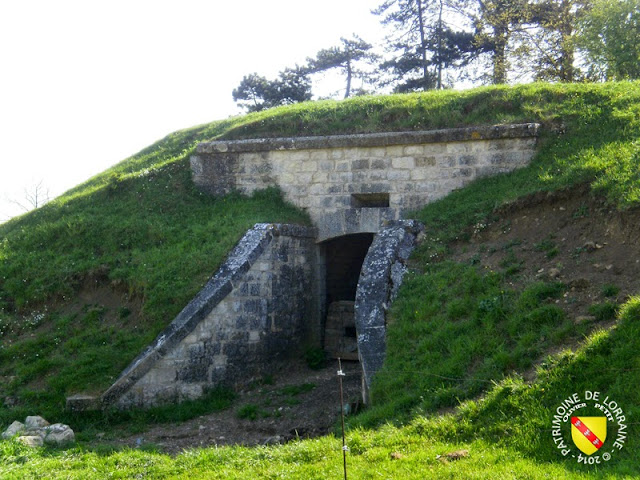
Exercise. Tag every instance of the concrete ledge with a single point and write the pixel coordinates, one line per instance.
(494, 132)
(83, 403)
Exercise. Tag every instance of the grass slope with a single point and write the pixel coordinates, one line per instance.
(456, 333)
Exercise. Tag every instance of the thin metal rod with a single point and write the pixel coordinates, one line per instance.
(344, 442)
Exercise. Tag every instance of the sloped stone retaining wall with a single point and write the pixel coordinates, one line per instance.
(381, 276)
(260, 306)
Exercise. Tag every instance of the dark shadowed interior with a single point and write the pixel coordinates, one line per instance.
(344, 257)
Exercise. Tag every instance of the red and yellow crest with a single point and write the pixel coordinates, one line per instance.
(589, 433)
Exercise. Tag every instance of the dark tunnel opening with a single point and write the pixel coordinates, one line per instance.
(344, 257)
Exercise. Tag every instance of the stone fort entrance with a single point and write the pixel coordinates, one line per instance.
(343, 259)
(285, 286)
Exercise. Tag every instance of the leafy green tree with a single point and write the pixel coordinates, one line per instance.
(610, 37)
(256, 93)
(252, 92)
(347, 58)
(549, 38)
(496, 22)
(423, 43)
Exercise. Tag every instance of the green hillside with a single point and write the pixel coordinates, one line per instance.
(478, 357)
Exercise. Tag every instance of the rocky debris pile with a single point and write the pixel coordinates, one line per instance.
(36, 431)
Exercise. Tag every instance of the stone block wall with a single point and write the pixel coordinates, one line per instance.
(354, 183)
(340, 331)
(381, 276)
(261, 306)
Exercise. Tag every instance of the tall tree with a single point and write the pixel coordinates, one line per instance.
(610, 37)
(495, 23)
(347, 58)
(256, 93)
(549, 38)
(423, 43)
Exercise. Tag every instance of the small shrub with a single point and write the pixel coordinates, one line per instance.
(315, 358)
(491, 308)
(537, 293)
(545, 245)
(546, 315)
(609, 290)
(293, 390)
(603, 311)
(511, 264)
(248, 412)
(581, 211)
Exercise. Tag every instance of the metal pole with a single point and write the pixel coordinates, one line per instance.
(344, 443)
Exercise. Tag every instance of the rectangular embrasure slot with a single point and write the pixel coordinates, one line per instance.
(370, 200)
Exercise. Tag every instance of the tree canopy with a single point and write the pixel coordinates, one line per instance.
(610, 36)
(347, 58)
(433, 43)
(256, 93)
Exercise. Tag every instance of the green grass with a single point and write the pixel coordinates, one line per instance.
(293, 390)
(150, 244)
(517, 414)
(455, 331)
(459, 338)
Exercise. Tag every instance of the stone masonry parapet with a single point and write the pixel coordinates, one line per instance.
(354, 183)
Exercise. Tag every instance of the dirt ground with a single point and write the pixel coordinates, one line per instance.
(282, 414)
(569, 236)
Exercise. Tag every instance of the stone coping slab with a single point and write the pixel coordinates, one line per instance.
(522, 130)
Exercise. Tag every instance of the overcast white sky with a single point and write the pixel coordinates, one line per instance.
(86, 83)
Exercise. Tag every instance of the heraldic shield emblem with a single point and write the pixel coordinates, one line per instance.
(588, 433)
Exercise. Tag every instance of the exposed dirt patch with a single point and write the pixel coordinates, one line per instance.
(296, 403)
(568, 236)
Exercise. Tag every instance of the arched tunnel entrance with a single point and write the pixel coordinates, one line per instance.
(343, 257)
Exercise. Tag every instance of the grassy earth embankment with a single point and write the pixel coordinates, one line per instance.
(458, 333)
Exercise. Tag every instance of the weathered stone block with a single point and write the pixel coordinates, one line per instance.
(320, 155)
(447, 161)
(413, 150)
(360, 164)
(307, 166)
(380, 163)
(423, 162)
(468, 160)
(403, 162)
(336, 154)
(395, 175)
(320, 178)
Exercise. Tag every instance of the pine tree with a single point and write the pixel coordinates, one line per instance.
(423, 43)
(256, 93)
(347, 57)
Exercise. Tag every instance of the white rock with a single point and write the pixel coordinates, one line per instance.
(35, 422)
(58, 434)
(31, 441)
(14, 429)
